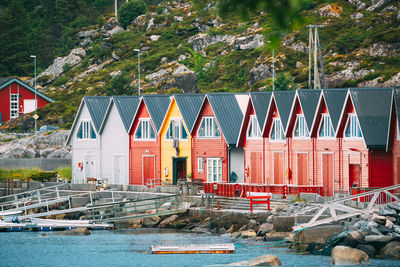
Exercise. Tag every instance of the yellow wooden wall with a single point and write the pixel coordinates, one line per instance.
(167, 151)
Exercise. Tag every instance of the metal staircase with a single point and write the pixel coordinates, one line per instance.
(350, 206)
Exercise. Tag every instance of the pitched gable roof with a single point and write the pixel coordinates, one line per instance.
(260, 101)
(396, 94)
(189, 106)
(334, 100)
(373, 108)
(6, 81)
(157, 106)
(308, 99)
(228, 113)
(97, 107)
(284, 101)
(126, 106)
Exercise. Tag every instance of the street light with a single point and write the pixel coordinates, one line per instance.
(35, 116)
(138, 50)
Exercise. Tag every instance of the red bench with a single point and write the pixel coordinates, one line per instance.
(258, 198)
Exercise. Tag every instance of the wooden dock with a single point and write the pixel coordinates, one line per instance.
(193, 249)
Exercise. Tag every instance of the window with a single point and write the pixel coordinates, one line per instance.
(145, 131)
(253, 130)
(14, 106)
(176, 130)
(200, 165)
(277, 131)
(214, 170)
(352, 129)
(86, 131)
(326, 128)
(300, 128)
(208, 128)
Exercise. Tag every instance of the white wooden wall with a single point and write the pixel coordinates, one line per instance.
(82, 148)
(114, 143)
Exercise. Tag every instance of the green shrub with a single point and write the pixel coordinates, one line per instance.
(131, 10)
(65, 172)
(44, 177)
(18, 173)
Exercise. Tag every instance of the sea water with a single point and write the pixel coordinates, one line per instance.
(131, 248)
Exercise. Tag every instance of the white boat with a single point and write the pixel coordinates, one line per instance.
(51, 224)
(193, 249)
(8, 216)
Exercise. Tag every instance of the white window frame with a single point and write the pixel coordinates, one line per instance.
(255, 131)
(326, 119)
(282, 137)
(142, 123)
(200, 165)
(209, 133)
(352, 121)
(14, 111)
(213, 177)
(179, 120)
(87, 126)
(304, 133)
(398, 133)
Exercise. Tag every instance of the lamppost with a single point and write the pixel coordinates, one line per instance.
(138, 50)
(35, 116)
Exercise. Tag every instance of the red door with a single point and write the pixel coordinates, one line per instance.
(255, 167)
(278, 168)
(327, 174)
(354, 175)
(381, 169)
(302, 169)
(148, 169)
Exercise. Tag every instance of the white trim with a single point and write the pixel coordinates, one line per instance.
(321, 95)
(322, 120)
(251, 122)
(181, 123)
(219, 179)
(348, 123)
(214, 121)
(297, 168)
(305, 130)
(266, 115)
(14, 109)
(148, 120)
(282, 132)
(200, 159)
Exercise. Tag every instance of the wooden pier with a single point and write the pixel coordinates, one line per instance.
(193, 249)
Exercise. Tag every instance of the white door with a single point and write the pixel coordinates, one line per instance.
(89, 166)
(119, 170)
(29, 105)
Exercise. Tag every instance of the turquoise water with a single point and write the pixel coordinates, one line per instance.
(131, 248)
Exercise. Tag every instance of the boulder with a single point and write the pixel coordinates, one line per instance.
(154, 38)
(265, 260)
(203, 40)
(259, 73)
(283, 223)
(168, 220)
(358, 4)
(372, 228)
(354, 238)
(342, 255)
(357, 16)
(377, 238)
(391, 250)
(395, 206)
(75, 232)
(332, 10)
(151, 221)
(271, 237)
(318, 234)
(387, 212)
(378, 5)
(264, 228)
(249, 42)
(248, 233)
(369, 249)
(233, 228)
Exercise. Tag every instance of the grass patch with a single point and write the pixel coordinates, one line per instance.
(18, 173)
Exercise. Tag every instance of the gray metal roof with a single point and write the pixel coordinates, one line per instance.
(397, 103)
(373, 108)
(189, 106)
(260, 102)
(157, 105)
(334, 99)
(127, 106)
(284, 101)
(228, 114)
(4, 80)
(308, 99)
(97, 106)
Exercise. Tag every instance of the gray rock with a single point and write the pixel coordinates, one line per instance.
(111, 27)
(168, 220)
(369, 249)
(115, 56)
(330, 11)
(377, 239)
(358, 4)
(178, 18)
(57, 68)
(398, 16)
(354, 237)
(378, 5)
(154, 38)
(75, 232)
(85, 42)
(249, 42)
(362, 226)
(260, 73)
(357, 15)
(151, 221)
(372, 229)
(86, 34)
(394, 206)
(150, 25)
(342, 255)
(389, 9)
(222, 231)
(115, 73)
(30, 153)
(264, 228)
(265, 260)
(380, 49)
(391, 250)
(351, 72)
(387, 212)
(203, 40)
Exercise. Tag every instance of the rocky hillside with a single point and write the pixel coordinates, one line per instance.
(186, 47)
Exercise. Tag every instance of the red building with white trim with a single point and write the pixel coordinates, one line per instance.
(18, 98)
